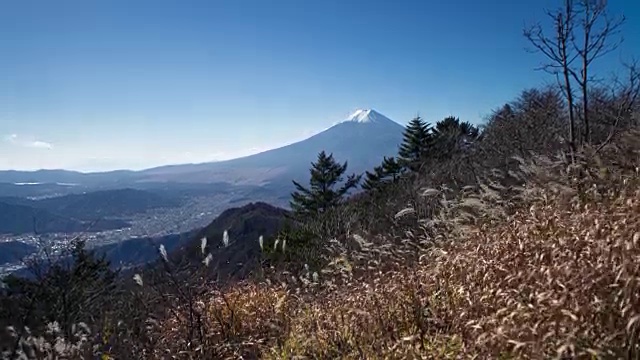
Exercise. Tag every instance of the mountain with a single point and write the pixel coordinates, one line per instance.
(244, 225)
(64, 177)
(139, 251)
(100, 204)
(22, 219)
(363, 139)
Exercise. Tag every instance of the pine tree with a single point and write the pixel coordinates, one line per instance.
(372, 179)
(392, 169)
(322, 194)
(450, 136)
(415, 144)
(387, 172)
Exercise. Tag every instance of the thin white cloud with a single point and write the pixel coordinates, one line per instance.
(16, 140)
(39, 144)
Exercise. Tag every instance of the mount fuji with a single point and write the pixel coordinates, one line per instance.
(363, 140)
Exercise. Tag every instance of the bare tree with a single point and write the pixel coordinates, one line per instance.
(597, 28)
(583, 32)
(614, 106)
(558, 51)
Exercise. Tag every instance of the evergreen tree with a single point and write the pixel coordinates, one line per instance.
(372, 179)
(387, 172)
(392, 169)
(323, 192)
(415, 144)
(450, 136)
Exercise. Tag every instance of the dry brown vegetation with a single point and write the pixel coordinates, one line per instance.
(540, 260)
(559, 277)
(545, 267)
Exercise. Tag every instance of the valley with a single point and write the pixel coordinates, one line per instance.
(194, 212)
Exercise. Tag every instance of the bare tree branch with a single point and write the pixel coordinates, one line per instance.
(556, 49)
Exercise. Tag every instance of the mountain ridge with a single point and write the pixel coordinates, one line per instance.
(363, 139)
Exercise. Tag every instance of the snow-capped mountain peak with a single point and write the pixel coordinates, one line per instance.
(367, 116)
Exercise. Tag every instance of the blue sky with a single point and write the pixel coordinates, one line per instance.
(104, 84)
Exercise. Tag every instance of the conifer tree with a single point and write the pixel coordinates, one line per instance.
(450, 136)
(387, 172)
(415, 144)
(392, 169)
(323, 192)
(372, 179)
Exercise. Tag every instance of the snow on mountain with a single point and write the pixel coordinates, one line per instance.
(364, 116)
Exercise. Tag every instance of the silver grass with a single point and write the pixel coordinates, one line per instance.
(203, 244)
(404, 212)
(207, 260)
(163, 253)
(225, 238)
(138, 279)
(430, 192)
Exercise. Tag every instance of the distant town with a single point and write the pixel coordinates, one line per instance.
(197, 212)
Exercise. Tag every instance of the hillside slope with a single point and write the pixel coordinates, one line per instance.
(244, 226)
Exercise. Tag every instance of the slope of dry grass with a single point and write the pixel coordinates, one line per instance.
(557, 278)
(546, 269)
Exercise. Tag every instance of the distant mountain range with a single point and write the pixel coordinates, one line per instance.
(92, 211)
(99, 204)
(21, 219)
(362, 140)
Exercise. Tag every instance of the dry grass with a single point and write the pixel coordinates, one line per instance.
(559, 277)
(546, 268)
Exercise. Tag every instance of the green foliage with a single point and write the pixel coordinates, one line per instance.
(326, 175)
(416, 142)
